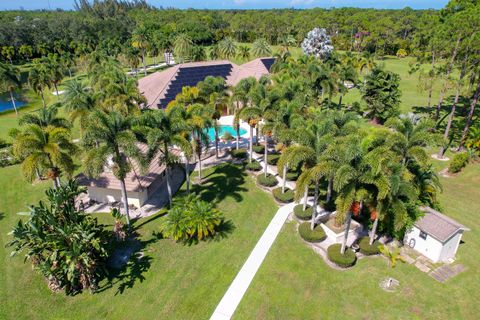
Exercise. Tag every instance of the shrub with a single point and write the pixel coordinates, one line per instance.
(254, 166)
(272, 159)
(301, 214)
(368, 249)
(3, 143)
(315, 235)
(459, 161)
(292, 176)
(285, 197)
(191, 219)
(239, 153)
(269, 181)
(342, 260)
(402, 53)
(258, 148)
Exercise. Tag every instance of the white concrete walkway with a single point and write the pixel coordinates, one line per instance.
(240, 284)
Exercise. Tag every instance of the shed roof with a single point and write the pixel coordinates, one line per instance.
(438, 225)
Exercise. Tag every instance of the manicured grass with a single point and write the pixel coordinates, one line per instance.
(295, 283)
(175, 281)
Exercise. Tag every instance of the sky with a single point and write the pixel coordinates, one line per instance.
(241, 4)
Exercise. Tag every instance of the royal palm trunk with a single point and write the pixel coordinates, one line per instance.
(250, 147)
(187, 174)
(305, 198)
(125, 201)
(347, 228)
(315, 203)
(374, 231)
(266, 156)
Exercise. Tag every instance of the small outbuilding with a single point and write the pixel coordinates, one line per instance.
(435, 236)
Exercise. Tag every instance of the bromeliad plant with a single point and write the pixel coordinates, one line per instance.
(67, 246)
(191, 219)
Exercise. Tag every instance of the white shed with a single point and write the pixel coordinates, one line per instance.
(435, 236)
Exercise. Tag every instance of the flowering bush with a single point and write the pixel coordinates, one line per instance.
(317, 44)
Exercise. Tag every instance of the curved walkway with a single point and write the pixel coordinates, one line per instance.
(240, 284)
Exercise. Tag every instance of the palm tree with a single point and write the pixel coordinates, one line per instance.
(227, 48)
(182, 46)
(244, 52)
(141, 40)
(261, 48)
(214, 52)
(117, 143)
(163, 130)
(286, 42)
(78, 100)
(359, 174)
(411, 136)
(9, 81)
(251, 115)
(45, 148)
(55, 70)
(45, 117)
(39, 79)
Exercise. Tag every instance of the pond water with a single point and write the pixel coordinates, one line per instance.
(222, 130)
(6, 104)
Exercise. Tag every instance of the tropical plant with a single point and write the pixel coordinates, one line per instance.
(45, 117)
(163, 130)
(9, 81)
(109, 138)
(141, 40)
(317, 43)
(251, 115)
(227, 48)
(67, 246)
(118, 226)
(393, 255)
(45, 148)
(382, 94)
(39, 79)
(261, 48)
(182, 46)
(79, 100)
(191, 219)
(244, 52)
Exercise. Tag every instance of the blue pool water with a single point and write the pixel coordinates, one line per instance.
(222, 130)
(6, 104)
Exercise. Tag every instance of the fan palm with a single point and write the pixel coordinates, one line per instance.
(116, 143)
(227, 48)
(45, 148)
(261, 48)
(9, 81)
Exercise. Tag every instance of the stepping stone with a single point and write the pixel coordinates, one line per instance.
(422, 267)
(408, 259)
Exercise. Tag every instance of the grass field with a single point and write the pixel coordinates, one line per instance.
(174, 281)
(295, 283)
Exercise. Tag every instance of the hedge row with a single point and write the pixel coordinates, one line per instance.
(315, 235)
(239, 153)
(258, 148)
(342, 260)
(272, 159)
(285, 197)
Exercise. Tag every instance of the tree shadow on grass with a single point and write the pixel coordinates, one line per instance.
(225, 181)
(2, 216)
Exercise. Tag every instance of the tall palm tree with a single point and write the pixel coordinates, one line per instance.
(251, 115)
(116, 142)
(286, 42)
(45, 148)
(163, 130)
(261, 48)
(55, 69)
(227, 48)
(78, 100)
(141, 40)
(39, 79)
(9, 81)
(182, 46)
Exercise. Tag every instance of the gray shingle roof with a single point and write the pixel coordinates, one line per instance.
(438, 225)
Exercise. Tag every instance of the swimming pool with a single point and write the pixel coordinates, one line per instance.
(222, 130)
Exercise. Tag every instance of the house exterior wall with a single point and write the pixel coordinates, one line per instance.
(110, 195)
(429, 247)
(450, 247)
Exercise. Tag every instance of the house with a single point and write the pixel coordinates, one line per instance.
(161, 87)
(435, 236)
(106, 188)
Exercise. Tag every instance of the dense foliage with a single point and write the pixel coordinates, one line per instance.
(67, 246)
(303, 214)
(284, 197)
(345, 260)
(459, 161)
(368, 249)
(269, 181)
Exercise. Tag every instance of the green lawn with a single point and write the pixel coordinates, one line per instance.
(295, 283)
(175, 281)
